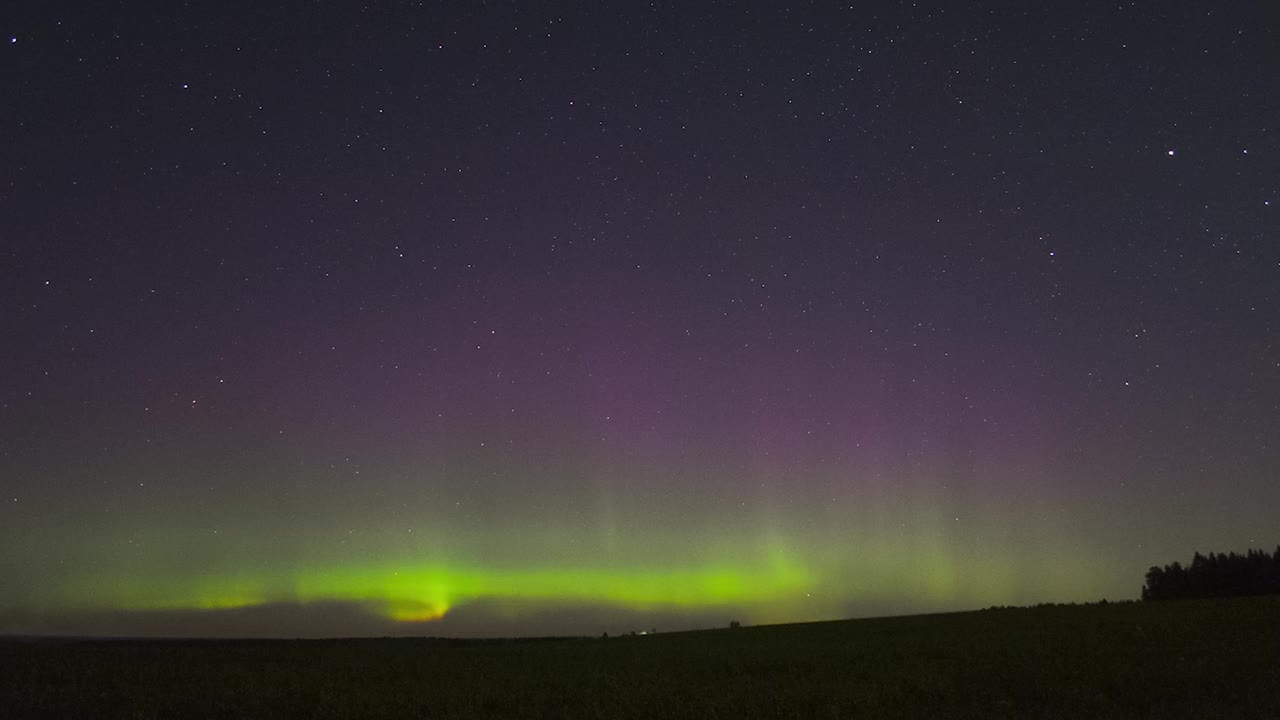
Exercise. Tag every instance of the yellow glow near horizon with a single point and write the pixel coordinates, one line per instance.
(418, 594)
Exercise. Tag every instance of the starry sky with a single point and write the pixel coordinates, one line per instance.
(534, 318)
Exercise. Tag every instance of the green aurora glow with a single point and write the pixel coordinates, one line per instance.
(648, 541)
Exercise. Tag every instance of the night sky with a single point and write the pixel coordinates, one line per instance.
(510, 318)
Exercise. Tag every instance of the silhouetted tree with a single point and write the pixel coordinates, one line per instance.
(1215, 575)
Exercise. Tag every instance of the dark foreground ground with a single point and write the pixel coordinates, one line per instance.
(1178, 659)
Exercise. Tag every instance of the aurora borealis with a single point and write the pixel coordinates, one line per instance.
(536, 319)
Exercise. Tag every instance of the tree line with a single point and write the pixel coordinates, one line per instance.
(1220, 575)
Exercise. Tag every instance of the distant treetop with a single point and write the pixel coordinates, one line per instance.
(1220, 575)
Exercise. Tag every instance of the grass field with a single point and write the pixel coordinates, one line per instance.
(1178, 659)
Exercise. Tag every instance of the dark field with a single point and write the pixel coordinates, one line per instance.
(1178, 659)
